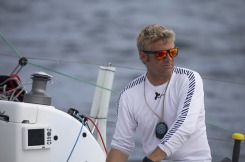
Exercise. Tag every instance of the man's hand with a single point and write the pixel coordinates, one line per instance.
(157, 155)
(115, 155)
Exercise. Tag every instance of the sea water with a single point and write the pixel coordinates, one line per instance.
(75, 37)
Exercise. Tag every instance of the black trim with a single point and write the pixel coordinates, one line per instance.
(146, 159)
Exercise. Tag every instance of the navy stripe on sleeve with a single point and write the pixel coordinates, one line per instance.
(185, 109)
(133, 83)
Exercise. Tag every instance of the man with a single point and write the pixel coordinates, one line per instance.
(166, 104)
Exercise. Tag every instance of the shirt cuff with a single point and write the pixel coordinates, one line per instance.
(166, 149)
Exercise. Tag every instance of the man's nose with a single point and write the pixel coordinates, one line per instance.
(168, 57)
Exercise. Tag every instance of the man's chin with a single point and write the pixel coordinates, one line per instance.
(166, 73)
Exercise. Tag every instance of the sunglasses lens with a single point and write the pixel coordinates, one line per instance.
(161, 54)
(173, 52)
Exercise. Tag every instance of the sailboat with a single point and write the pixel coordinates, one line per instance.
(33, 130)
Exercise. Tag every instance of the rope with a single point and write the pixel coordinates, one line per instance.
(69, 76)
(100, 64)
(10, 45)
(219, 127)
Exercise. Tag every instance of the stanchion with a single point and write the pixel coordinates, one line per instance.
(238, 137)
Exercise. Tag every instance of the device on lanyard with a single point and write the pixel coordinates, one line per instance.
(161, 129)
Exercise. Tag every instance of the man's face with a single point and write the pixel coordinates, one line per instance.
(159, 67)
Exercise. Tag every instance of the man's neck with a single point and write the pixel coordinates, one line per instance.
(157, 80)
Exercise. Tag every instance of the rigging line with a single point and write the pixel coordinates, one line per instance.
(86, 82)
(77, 62)
(63, 74)
(216, 126)
(223, 140)
(223, 81)
(18, 54)
(64, 61)
(118, 66)
(10, 45)
(240, 83)
(126, 67)
(213, 125)
(217, 139)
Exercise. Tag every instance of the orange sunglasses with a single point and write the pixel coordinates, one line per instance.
(163, 53)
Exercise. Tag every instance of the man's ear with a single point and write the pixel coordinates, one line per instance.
(143, 57)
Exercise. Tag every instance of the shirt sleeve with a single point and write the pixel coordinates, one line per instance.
(123, 138)
(190, 104)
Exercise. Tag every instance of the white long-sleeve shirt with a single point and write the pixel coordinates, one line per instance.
(183, 112)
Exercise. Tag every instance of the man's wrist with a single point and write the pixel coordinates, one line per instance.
(146, 159)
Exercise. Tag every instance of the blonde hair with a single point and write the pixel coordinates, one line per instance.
(153, 33)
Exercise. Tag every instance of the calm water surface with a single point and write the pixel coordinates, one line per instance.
(75, 37)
